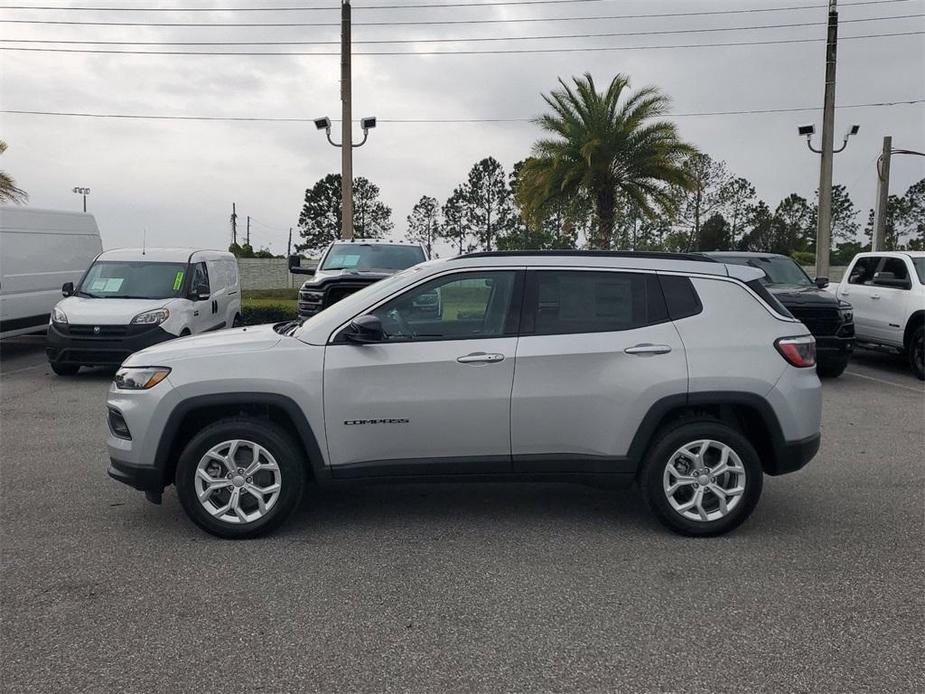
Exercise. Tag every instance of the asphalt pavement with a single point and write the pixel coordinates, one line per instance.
(469, 588)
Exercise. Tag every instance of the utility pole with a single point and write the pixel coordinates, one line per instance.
(883, 195)
(248, 242)
(346, 97)
(234, 226)
(824, 227)
(289, 244)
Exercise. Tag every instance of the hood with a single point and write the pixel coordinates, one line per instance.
(802, 295)
(235, 340)
(81, 310)
(324, 276)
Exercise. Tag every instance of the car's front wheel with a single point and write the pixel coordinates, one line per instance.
(832, 367)
(701, 478)
(240, 477)
(64, 369)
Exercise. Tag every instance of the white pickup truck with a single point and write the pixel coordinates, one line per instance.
(887, 291)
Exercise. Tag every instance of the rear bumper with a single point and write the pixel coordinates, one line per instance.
(794, 455)
(62, 348)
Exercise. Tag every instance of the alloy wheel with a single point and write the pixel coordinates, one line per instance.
(237, 481)
(704, 480)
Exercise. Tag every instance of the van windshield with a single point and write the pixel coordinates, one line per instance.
(132, 280)
(370, 256)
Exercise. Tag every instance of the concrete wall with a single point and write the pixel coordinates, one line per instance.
(270, 273)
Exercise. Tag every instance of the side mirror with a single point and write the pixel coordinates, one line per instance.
(365, 330)
(201, 293)
(822, 282)
(295, 266)
(67, 289)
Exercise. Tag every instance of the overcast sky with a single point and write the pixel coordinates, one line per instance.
(177, 179)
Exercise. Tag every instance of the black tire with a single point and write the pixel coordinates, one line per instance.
(64, 369)
(237, 321)
(916, 353)
(288, 455)
(661, 451)
(832, 368)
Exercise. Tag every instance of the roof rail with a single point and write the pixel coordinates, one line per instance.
(598, 254)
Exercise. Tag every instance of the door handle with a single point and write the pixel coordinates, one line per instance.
(648, 349)
(875, 297)
(480, 358)
(195, 313)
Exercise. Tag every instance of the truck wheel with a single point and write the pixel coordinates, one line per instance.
(832, 368)
(917, 353)
(64, 369)
(240, 477)
(701, 478)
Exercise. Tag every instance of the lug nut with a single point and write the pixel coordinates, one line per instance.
(228, 476)
(250, 479)
(240, 471)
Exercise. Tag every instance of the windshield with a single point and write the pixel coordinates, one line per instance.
(919, 264)
(132, 280)
(369, 256)
(777, 269)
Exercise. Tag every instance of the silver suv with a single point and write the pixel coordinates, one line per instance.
(674, 371)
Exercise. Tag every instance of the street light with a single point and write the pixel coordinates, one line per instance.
(808, 131)
(367, 123)
(84, 192)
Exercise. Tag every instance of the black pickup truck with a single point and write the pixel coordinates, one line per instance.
(830, 320)
(348, 266)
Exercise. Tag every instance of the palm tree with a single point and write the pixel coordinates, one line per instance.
(8, 190)
(606, 145)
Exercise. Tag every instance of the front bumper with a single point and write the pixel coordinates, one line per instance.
(63, 347)
(142, 477)
(830, 346)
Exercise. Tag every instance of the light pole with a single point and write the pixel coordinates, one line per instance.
(84, 192)
(824, 217)
(347, 147)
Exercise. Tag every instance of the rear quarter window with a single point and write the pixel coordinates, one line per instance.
(680, 296)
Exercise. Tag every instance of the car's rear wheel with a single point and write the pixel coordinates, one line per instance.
(64, 369)
(917, 353)
(241, 477)
(237, 321)
(701, 478)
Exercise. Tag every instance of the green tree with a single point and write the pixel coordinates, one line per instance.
(555, 225)
(716, 234)
(424, 224)
(8, 190)
(456, 222)
(698, 201)
(491, 213)
(891, 229)
(604, 144)
(792, 219)
(761, 233)
(911, 217)
(737, 196)
(845, 225)
(320, 219)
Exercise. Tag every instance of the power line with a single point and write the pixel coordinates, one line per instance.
(509, 51)
(419, 121)
(445, 22)
(314, 8)
(453, 40)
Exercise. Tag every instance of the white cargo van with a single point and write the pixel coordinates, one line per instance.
(132, 298)
(39, 251)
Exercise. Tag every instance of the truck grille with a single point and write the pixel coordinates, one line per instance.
(820, 321)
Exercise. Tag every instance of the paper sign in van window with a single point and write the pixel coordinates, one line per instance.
(106, 284)
(178, 280)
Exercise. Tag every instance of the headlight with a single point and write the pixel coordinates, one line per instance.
(140, 377)
(155, 317)
(58, 316)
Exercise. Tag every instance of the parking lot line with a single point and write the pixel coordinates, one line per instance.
(889, 383)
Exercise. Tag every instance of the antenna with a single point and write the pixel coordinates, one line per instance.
(144, 240)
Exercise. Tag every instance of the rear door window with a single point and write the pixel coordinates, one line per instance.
(561, 302)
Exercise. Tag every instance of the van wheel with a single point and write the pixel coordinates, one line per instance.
(701, 478)
(240, 477)
(64, 369)
(237, 322)
(917, 353)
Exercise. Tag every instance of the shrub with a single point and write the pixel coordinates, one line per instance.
(257, 312)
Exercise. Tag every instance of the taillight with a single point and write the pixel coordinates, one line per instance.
(799, 351)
